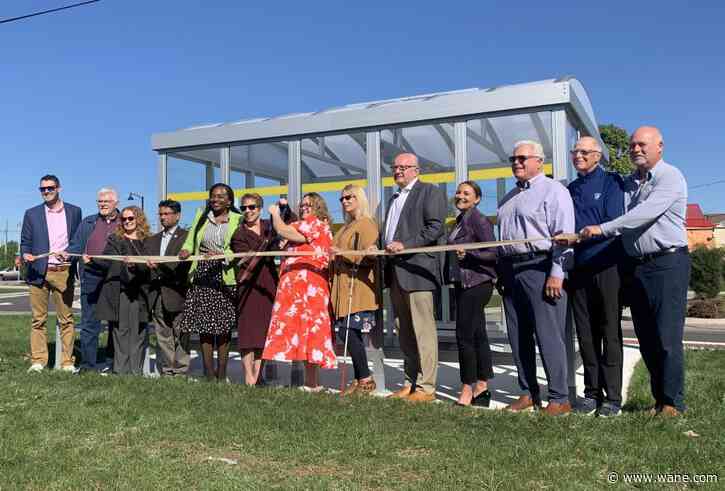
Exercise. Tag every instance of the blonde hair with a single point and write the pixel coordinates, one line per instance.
(319, 207)
(362, 201)
(142, 226)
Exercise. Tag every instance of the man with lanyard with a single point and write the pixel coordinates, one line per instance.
(90, 240)
(532, 275)
(47, 228)
(593, 284)
(655, 239)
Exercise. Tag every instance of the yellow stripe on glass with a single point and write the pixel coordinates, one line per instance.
(322, 187)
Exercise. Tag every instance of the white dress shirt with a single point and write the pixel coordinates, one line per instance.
(396, 207)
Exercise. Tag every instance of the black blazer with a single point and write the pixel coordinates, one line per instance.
(169, 281)
(120, 277)
(421, 224)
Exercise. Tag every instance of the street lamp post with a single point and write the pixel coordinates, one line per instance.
(132, 196)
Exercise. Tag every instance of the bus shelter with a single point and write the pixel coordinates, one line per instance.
(457, 135)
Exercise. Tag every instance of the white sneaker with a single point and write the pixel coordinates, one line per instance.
(71, 369)
(314, 390)
(35, 368)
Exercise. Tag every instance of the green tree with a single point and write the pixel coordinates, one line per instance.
(7, 254)
(706, 273)
(617, 141)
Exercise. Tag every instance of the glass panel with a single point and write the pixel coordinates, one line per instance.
(329, 163)
(572, 135)
(259, 168)
(190, 174)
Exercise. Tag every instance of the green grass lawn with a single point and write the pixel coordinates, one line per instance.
(59, 431)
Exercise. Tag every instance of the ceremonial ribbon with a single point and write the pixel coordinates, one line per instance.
(371, 252)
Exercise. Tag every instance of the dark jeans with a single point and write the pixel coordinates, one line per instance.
(356, 348)
(531, 319)
(594, 300)
(658, 296)
(474, 352)
(90, 329)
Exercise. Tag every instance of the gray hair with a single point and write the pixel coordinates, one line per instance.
(108, 191)
(538, 149)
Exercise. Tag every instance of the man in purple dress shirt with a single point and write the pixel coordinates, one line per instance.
(532, 275)
(47, 228)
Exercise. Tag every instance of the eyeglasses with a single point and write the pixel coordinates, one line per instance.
(104, 201)
(522, 158)
(248, 207)
(585, 153)
(128, 219)
(47, 189)
(347, 197)
(403, 167)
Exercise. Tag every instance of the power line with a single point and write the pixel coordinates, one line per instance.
(721, 181)
(79, 4)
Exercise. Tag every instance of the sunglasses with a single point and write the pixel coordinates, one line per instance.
(585, 153)
(248, 207)
(128, 219)
(522, 158)
(47, 189)
(347, 197)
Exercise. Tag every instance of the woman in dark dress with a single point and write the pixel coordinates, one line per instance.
(472, 273)
(122, 301)
(256, 284)
(210, 306)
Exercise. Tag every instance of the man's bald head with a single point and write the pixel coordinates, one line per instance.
(645, 147)
(586, 154)
(405, 169)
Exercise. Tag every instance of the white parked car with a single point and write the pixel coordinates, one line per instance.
(9, 274)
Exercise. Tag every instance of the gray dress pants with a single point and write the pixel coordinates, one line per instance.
(129, 338)
(533, 319)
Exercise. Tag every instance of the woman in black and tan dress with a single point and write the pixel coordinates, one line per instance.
(210, 306)
(362, 272)
(256, 284)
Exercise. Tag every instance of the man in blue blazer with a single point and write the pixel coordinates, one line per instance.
(48, 228)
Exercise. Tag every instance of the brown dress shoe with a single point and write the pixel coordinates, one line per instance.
(523, 404)
(400, 394)
(365, 388)
(420, 396)
(669, 412)
(557, 409)
(350, 389)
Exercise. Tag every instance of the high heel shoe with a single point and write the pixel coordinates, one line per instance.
(483, 399)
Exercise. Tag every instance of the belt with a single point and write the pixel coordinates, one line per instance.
(58, 267)
(653, 255)
(526, 256)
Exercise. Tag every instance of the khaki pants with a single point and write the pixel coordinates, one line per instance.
(59, 286)
(173, 345)
(418, 335)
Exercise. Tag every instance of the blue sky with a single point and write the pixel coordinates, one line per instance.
(81, 91)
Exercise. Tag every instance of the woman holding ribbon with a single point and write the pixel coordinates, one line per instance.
(355, 289)
(472, 274)
(256, 284)
(210, 306)
(122, 300)
(300, 326)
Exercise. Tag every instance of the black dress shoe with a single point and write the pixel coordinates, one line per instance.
(483, 399)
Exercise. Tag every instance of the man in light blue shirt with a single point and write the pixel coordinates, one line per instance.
(532, 274)
(655, 239)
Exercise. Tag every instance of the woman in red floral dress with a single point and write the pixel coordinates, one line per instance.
(300, 327)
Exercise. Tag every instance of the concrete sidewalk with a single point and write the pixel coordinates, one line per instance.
(504, 386)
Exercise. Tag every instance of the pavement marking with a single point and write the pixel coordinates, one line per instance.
(686, 343)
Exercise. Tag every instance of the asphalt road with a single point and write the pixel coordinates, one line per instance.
(14, 299)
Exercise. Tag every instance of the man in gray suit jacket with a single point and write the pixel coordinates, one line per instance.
(167, 290)
(415, 218)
